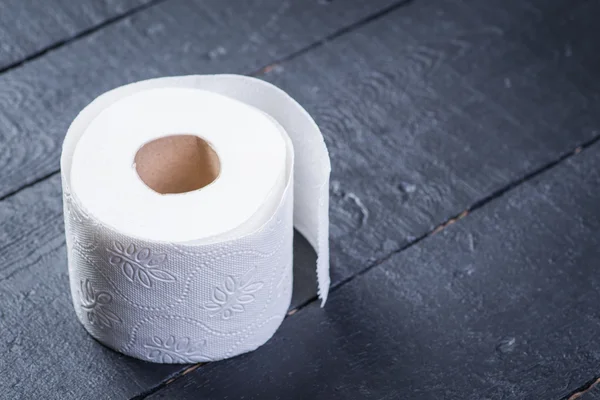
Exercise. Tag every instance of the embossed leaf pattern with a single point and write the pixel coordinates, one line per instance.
(139, 265)
(96, 303)
(229, 285)
(230, 297)
(172, 349)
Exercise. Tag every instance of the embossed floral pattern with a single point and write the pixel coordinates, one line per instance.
(139, 265)
(95, 303)
(173, 350)
(232, 296)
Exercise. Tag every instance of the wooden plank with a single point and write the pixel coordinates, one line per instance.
(440, 104)
(40, 99)
(503, 304)
(28, 28)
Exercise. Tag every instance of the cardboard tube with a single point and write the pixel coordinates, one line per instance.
(177, 164)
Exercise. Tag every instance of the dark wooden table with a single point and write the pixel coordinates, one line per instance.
(465, 209)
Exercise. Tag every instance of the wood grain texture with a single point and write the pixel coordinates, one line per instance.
(426, 111)
(28, 27)
(421, 123)
(437, 105)
(500, 305)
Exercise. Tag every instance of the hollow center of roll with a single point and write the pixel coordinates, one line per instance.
(177, 164)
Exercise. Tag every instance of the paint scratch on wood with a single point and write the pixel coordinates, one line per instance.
(460, 216)
(192, 368)
(267, 69)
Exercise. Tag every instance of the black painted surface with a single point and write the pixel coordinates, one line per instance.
(427, 110)
(503, 304)
(439, 104)
(29, 27)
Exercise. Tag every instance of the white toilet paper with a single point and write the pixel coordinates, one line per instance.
(204, 274)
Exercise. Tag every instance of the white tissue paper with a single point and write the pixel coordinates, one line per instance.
(202, 275)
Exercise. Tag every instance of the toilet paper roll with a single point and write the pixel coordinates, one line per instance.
(180, 199)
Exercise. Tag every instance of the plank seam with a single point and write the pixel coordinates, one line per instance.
(28, 185)
(474, 207)
(580, 391)
(331, 37)
(84, 33)
(168, 381)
